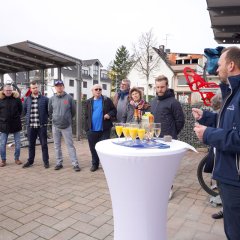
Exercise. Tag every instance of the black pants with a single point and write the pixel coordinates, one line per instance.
(230, 196)
(93, 139)
(33, 133)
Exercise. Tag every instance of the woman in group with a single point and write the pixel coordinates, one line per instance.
(136, 106)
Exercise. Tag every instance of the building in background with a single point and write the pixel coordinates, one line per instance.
(92, 73)
(171, 65)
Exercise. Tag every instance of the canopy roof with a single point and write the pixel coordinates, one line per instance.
(225, 20)
(28, 56)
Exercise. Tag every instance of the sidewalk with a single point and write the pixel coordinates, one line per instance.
(39, 203)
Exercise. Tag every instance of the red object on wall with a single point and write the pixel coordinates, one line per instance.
(196, 83)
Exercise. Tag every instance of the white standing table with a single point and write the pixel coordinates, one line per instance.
(139, 182)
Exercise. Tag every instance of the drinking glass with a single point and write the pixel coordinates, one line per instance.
(133, 131)
(157, 129)
(119, 129)
(141, 133)
(125, 130)
(150, 131)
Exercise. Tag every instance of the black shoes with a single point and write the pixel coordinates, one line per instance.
(76, 168)
(58, 167)
(27, 165)
(46, 165)
(94, 168)
(218, 215)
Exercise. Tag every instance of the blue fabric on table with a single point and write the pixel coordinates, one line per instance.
(142, 144)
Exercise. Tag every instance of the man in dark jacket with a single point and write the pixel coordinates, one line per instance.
(36, 111)
(167, 110)
(10, 121)
(225, 138)
(98, 124)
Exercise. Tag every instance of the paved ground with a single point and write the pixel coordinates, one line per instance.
(38, 203)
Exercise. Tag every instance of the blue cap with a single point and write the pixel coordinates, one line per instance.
(58, 82)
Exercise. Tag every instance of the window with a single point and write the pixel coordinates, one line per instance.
(104, 86)
(72, 95)
(179, 61)
(187, 61)
(95, 71)
(95, 82)
(84, 84)
(182, 81)
(84, 72)
(104, 75)
(71, 83)
(194, 60)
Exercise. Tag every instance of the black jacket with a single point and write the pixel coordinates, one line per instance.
(168, 111)
(108, 108)
(10, 113)
(42, 109)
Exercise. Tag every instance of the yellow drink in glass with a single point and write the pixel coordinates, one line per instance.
(141, 133)
(126, 132)
(119, 130)
(133, 133)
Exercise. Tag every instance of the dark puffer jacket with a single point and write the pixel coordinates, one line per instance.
(10, 113)
(168, 111)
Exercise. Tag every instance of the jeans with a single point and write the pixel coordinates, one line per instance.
(93, 139)
(230, 196)
(3, 143)
(67, 135)
(33, 133)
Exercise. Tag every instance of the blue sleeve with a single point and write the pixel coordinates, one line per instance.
(223, 140)
(208, 119)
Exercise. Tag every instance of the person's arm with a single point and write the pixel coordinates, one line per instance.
(50, 108)
(222, 139)
(25, 106)
(178, 116)
(73, 107)
(112, 109)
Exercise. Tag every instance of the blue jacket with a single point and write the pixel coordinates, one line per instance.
(226, 137)
(42, 109)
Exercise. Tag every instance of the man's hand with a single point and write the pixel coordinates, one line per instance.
(106, 116)
(199, 130)
(197, 113)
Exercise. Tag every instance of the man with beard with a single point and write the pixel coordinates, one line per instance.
(167, 110)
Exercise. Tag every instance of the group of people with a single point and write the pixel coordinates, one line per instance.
(218, 130)
(38, 109)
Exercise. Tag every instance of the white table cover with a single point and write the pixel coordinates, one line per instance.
(139, 182)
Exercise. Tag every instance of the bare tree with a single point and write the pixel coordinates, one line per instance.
(146, 59)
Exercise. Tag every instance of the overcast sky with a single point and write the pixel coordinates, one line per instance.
(95, 29)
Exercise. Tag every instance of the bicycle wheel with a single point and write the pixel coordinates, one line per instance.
(205, 179)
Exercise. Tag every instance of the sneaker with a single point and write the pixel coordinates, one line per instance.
(218, 215)
(76, 168)
(18, 162)
(46, 165)
(94, 168)
(3, 163)
(58, 167)
(26, 165)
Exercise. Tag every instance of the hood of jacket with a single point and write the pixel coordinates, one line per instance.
(15, 94)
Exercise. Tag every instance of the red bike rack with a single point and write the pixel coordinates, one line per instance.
(198, 84)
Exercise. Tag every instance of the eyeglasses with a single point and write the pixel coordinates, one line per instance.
(98, 89)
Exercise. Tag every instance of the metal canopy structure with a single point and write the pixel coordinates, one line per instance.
(28, 56)
(225, 20)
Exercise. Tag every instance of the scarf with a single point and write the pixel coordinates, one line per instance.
(122, 94)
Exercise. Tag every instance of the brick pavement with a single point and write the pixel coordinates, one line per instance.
(38, 203)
